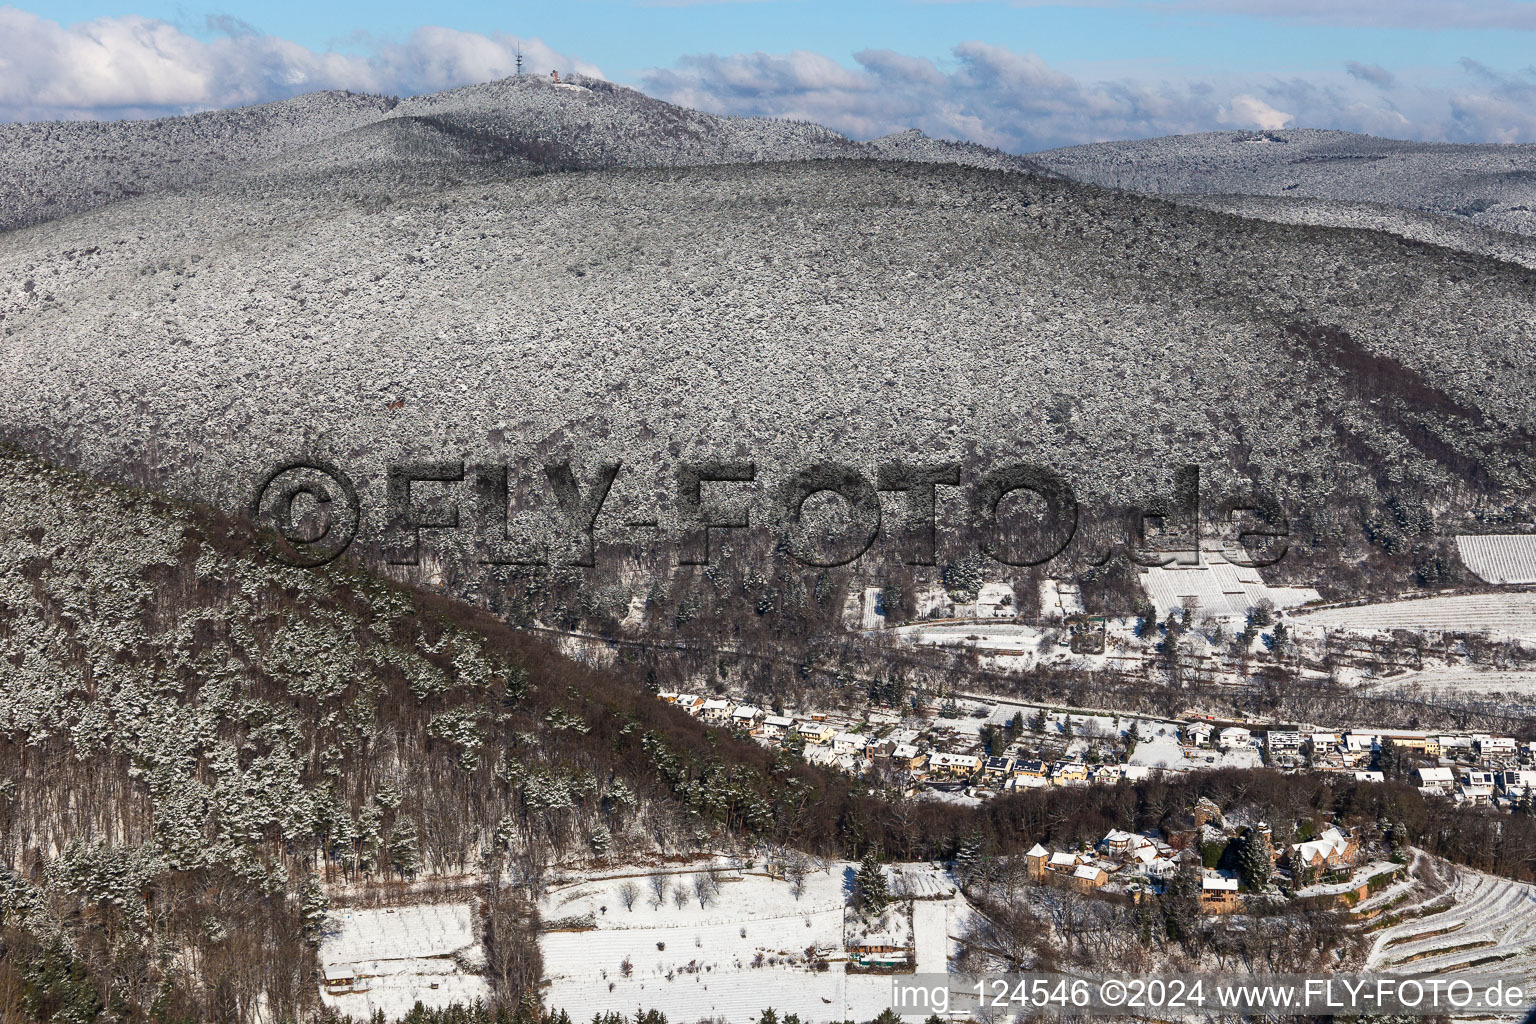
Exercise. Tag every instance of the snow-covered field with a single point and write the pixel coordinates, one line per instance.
(735, 957)
(1512, 615)
(404, 955)
(1172, 756)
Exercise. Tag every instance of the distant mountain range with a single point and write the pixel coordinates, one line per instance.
(1433, 192)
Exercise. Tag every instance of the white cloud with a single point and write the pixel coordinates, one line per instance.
(1250, 112)
(133, 66)
(1015, 101)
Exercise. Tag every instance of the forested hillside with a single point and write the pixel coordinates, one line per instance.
(195, 738)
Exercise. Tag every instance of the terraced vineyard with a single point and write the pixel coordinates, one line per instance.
(1500, 558)
(1511, 615)
(1474, 924)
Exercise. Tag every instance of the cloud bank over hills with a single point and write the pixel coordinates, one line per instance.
(132, 66)
(1018, 102)
(140, 67)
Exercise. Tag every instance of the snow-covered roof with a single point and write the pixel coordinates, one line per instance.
(1037, 851)
(1063, 859)
(1220, 883)
(1087, 871)
(1433, 776)
(782, 721)
(746, 711)
(1330, 842)
(340, 972)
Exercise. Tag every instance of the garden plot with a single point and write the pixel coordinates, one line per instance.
(1490, 928)
(1015, 647)
(402, 956)
(920, 881)
(1512, 615)
(1217, 587)
(732, 958)
(1092, 726)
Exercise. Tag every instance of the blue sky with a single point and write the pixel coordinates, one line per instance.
(1021, 75)
(625, 38)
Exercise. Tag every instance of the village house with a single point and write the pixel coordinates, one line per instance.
(999, 766)
(1037, 769)
(849, 743)
(746, 716)
(1088, 877)
(774, 727)
(1516, 782)
(1370, 776)
(1066, 773)
(1478, 796)
(1439, 780)
(1321, 741)
(1404, 739)
(957, 764)
(1118, 843)
(1284, 746)
(1218, 892)
(715, 710)
(1495, 746)
(1450, 745)
(1331, 851)
(1234, 737)
(689, 702)
(816, 732)
(1198, 734)
(1154, 862)
(1062, 862)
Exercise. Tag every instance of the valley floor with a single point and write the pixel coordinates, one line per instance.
(749, 951)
